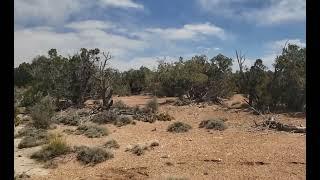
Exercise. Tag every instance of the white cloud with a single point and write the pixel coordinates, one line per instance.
(48, 11)
(189, 31)
(52, 12)
(121, 4)
(29, 43)
(90, 24)
(272, 12)
(280, 11)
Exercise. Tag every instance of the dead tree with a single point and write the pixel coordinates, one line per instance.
(104, 82)
(270, 122)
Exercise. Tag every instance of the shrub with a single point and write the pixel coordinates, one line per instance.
(92, 131)
(72, 119)
(182, 102)
(120, 105)
(145, 118)
(112, 144)
(179, 127)
(105, 117)
(42, 112)
(164, 117)
(122, 121)
(152, 105)
(33, 140)
(57, 146)
(30, 131)
(216, 124)
(50, 165)
(93, 155)
(139, 149)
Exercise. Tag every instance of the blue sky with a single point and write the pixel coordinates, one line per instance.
(141, 32)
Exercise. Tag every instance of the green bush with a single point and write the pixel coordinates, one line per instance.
(93, 155)
(179, 127)
(42, 112)
(216, 124)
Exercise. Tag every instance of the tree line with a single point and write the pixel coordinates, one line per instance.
(86, 74)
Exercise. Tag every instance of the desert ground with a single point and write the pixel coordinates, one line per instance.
(239, 152)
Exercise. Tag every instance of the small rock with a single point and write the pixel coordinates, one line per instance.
(165, 156)
(169, 163)
(205, 173)
(154, 129)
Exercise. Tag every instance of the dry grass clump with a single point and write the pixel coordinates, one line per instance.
(57, 146)
(112, 144)
(179, 127)
(216, 124)
(92, 130)
(139, 149)
(93, 155)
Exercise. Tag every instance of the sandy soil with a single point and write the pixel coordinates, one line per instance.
(240, 152)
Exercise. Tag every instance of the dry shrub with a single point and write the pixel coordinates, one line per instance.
(139, 149)
(72, 118)
(29, 131)
(122, 121)
(93, 155)
(57, 146)
(105, 117)
(112, 144)
(179, 127)
(216, 124)
(33, 140)
(92, 131)
(120, 105)
(42, 112)
(152, 105)
(182, 102)
(164, 117)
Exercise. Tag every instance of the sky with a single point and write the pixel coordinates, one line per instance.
(142, 32)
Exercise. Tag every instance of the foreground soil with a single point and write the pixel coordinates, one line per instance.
(239, 152)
